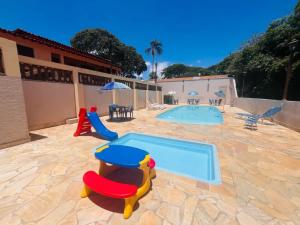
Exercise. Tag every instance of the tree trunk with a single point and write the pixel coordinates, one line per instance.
(153, 67)
(289, 75)
(155, 72)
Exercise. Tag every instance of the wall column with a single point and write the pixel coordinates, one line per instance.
(147, 95)
(114, 92)
(134, 97)
(14, 130)
(233, 91)
(157, 95)
(79, 92)
(10, 58)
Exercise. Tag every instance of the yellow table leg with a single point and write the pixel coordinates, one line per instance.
(105, 169)
(130, 202)
(85, 192)
(129, 205)
(152, 173)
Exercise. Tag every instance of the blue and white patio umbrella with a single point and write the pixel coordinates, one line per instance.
(113, 86)
(220, 94)
(193, 93)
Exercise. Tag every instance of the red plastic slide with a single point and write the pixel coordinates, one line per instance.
(84, 125)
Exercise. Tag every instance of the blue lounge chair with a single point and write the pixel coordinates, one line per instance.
(251, 122)
(271, 112)
(268, 114)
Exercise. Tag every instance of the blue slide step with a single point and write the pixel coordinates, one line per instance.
(100, 128)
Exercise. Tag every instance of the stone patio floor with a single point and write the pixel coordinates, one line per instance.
(40, 181)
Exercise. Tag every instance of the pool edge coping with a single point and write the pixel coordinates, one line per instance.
(217, 169)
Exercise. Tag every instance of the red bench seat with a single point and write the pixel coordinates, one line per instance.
(107, 187)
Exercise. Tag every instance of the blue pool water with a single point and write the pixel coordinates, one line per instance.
(207, 115)
(192, 159)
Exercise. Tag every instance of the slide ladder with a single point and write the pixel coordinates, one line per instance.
(84, 125)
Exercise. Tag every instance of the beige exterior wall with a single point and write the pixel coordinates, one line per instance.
(80, 87)
(13, 120)
(160, 100)
(152, 97)
(80, 91)
(48, 104)
(289, 116)
(99, 99)
(124, 97)
(205, 87)
(178, 87)
(10, 57)
(141, 99)
(29, 105)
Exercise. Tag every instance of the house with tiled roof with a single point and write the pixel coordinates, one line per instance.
(35, 46)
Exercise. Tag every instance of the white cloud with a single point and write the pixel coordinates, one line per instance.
(139, 77)
(160, 67)
(199, 61)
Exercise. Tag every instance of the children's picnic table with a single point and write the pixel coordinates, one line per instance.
(121, 155)
(112, 157)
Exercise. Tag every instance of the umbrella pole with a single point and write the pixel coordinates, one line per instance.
(224, 105)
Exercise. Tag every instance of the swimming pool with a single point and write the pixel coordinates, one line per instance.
(191, 159)
(206, 115)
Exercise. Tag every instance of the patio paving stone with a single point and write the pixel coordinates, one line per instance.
(40, 181)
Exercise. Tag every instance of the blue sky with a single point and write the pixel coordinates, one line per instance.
(193, 32)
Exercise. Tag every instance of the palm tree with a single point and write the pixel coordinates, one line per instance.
(154, 49)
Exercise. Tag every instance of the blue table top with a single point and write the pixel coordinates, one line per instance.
(121, 155)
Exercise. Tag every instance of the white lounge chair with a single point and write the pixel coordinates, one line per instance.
(155, 106)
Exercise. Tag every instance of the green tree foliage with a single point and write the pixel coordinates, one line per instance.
(154, 50)
(104, 44)
(260, 65)
(181, 70)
